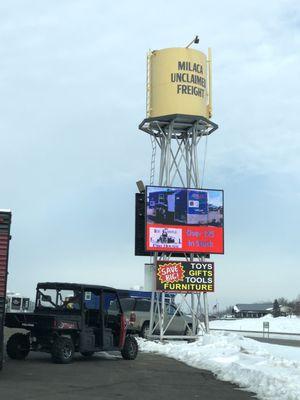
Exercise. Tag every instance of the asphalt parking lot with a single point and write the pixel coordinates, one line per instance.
(108, 376)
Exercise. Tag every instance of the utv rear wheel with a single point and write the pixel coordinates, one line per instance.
(62, 350)
(18, 346)
(130, 349)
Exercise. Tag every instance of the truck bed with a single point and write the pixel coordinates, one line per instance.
(28, 320)
(19, 320)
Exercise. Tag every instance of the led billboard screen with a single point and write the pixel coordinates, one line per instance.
(184, 220)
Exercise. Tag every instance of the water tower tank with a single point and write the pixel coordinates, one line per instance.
(177, 83)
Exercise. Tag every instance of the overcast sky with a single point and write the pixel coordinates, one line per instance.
(72, 93)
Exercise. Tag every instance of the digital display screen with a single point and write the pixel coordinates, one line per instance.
(184, 220)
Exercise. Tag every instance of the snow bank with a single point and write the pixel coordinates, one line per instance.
(245, 362)
(280, 324)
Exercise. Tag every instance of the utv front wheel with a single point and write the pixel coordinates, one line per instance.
(130, 349)
(62, 350)
(18, 346)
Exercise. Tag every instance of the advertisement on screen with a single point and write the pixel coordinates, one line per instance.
(184, 220)
(184, 276)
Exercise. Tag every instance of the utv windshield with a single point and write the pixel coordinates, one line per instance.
(58, 299)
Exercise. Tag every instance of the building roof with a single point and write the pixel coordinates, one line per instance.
(262, 307)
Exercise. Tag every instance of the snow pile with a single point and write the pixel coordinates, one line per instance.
(280, 324)
(243, 361)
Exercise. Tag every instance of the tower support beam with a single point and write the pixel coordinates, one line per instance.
(177, 137)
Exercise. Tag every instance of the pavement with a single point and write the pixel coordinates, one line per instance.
(282, 342)
(108, 376)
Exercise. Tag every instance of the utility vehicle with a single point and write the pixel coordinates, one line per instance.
(68, 318)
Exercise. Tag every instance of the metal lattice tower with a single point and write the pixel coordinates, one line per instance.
(177, 137)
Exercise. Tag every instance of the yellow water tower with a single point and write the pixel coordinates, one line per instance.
(178, 82)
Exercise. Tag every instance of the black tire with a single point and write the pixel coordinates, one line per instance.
(145, 330)
(87, 353)
(188, 332)
(130, 349)
(18, 346)
(62, 350)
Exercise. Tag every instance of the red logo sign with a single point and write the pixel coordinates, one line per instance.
(171, 272)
